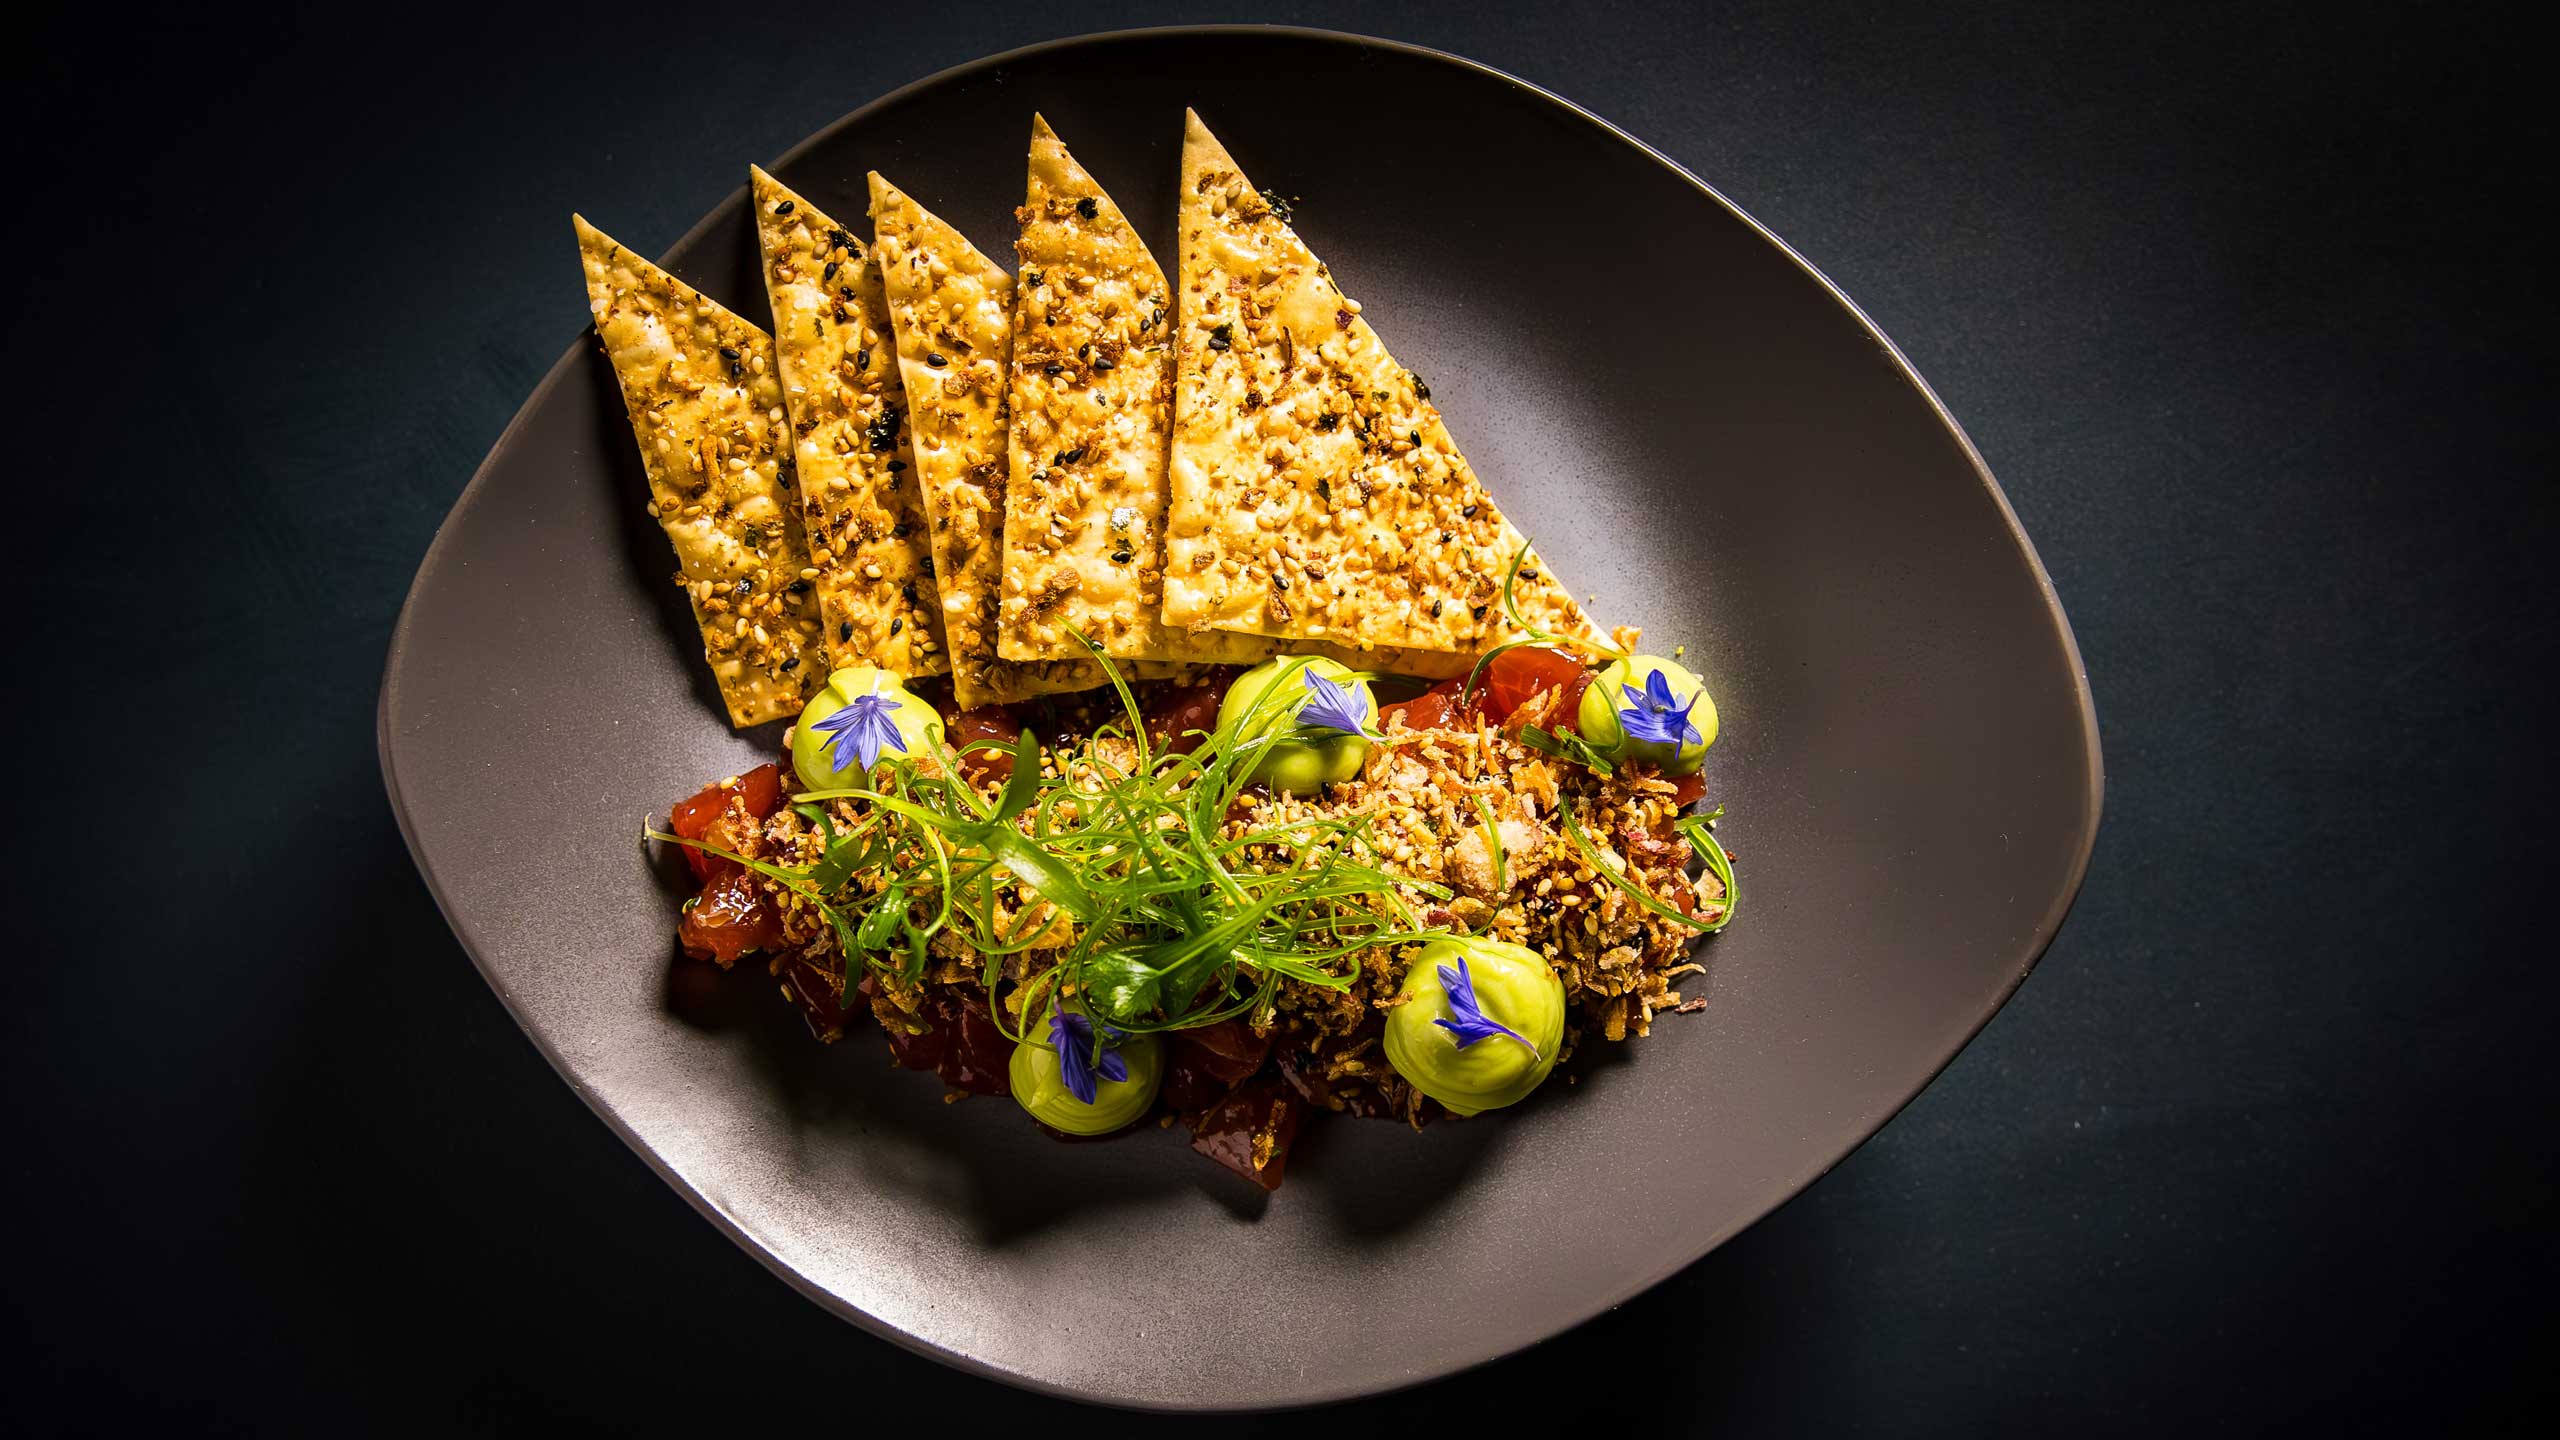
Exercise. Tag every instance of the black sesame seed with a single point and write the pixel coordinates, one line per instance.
(1103, 364)
(1468, 513)
(1219, 339)
(783, 209)
(936, 361)
(845, 631)
(1086, 208)
(1478, 612)
(1120, 556)
(862, 359)
(1053, 369)
(897, 625)
(883, 434)
(791, 664)
(728, 354)
(829, 273)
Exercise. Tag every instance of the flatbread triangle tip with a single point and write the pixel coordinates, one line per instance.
(1367, 525)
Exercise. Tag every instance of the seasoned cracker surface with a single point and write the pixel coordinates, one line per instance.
(1315, 493)
(951, 310)
(861, 506)
(706, 407)
(1092, 416)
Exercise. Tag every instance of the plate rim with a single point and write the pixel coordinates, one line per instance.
(2040, 939)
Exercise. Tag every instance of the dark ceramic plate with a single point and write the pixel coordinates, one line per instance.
(1694, 425)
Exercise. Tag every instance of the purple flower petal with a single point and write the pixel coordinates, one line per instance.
(1073, 1035)
(1329, 706)
(1470, 1024)
(1656, 716)
(862, 732)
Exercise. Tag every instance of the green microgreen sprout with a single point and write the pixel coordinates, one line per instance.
(1501, 862)
(1112, 861)
(1567, 745)
(1612, 869)
(1700, 830)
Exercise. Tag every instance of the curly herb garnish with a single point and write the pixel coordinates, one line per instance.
(1610, 868)
(1700, 830)
(1113, 854)
(1501, 860)
(1567, 745)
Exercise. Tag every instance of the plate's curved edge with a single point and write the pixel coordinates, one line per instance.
(2047, 927)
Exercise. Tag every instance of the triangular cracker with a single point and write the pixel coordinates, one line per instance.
(1092, 417)
(706, 407)
(952, 310)
(1315, 492)
(861, 507)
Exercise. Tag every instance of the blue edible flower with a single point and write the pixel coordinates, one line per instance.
(1073, 1035)
(1466, 1018)
(862, 731)
(1657, 717)
(1331, 707)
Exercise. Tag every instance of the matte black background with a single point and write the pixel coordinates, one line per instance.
(2241, 304)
